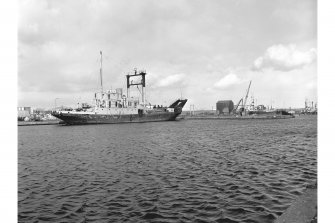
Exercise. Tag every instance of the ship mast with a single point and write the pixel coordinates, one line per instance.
(102, 90)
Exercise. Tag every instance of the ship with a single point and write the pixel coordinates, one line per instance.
(112, 106)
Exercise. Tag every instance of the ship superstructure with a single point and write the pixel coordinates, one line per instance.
(113, 106)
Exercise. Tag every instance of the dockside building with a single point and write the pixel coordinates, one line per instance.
(224, 107)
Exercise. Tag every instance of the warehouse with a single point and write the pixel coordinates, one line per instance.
(224, 107)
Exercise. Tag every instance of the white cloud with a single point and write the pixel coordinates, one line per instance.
(285, 58)
(228, 81)
(175, 79)
(59, 44)
(311, 85)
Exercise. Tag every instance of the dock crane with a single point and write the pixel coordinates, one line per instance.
(238, 104)
(246, 98)
(243, 102)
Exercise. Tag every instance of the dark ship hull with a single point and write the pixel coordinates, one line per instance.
(153, 115)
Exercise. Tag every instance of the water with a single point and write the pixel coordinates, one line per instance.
(183, 171)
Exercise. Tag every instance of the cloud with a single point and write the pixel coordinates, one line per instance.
(228, 81)
(59, 44)
(285, 58)
(172, 80)
(311, 85)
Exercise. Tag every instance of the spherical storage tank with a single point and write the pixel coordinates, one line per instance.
(224, 107)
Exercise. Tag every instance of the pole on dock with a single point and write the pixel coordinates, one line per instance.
(102, 90)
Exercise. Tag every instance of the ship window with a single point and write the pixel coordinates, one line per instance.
(109, 96)
(115, 104)
(110, 104)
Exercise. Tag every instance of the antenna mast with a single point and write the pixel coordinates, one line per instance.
(102, 90)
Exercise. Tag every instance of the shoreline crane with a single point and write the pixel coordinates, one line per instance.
(243, 102)
(246, 98)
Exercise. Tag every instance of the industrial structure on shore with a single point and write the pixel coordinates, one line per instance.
(226, 107)
(34, 114)
(310, 107)
(23, 112)
(242, 108)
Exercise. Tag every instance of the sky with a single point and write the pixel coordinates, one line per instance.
(204, 51)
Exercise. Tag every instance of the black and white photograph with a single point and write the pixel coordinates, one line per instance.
(167, 111)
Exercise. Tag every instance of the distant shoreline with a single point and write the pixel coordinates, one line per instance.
(236, 117)
(23, 123)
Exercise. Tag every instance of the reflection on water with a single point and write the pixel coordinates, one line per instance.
(183, 171)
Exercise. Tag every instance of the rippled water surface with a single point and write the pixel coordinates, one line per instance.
(182, 171)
